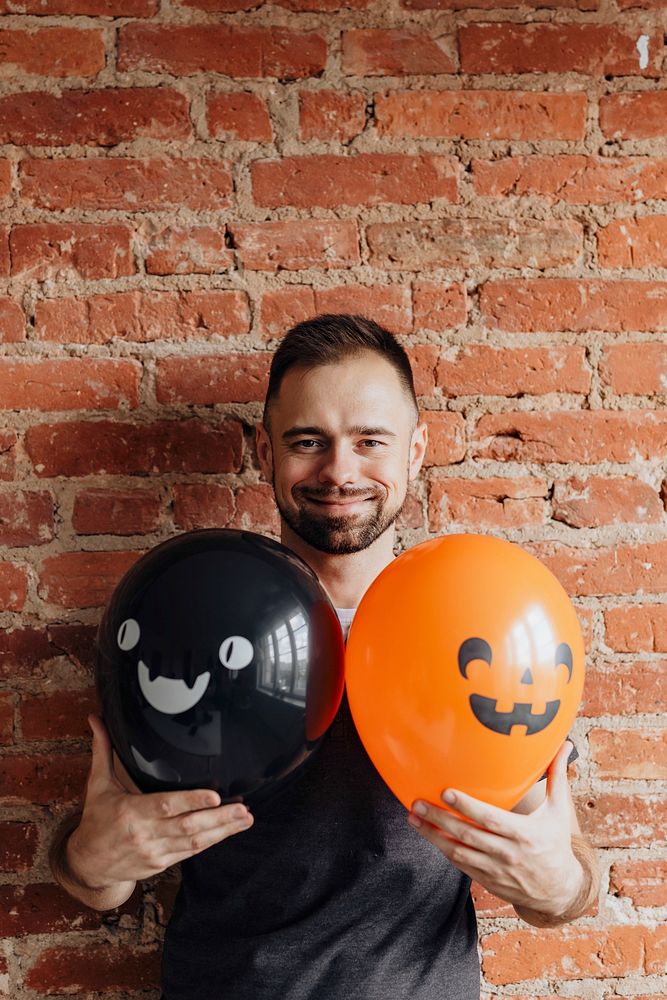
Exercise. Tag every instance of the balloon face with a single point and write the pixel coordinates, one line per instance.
(220, 664)
(464, 669)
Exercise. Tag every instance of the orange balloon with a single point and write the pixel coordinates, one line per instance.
(464, 669)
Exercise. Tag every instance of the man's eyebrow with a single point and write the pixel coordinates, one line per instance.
(357, 431)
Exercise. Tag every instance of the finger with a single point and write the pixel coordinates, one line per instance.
(165, 805)
(101, 768)
(177, 851)
(461, 830)
(190, 824)
(491, 818)
(557, 784)
(467, 860)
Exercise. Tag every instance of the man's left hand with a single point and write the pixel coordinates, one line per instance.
(526, 860)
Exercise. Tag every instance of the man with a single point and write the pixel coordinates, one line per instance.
(330, 890)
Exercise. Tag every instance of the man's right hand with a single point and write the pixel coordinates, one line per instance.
(124, 836)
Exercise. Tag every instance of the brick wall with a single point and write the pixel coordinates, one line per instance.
(181, 181)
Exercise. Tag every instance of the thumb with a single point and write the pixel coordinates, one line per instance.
(557, 787)
(101, 768)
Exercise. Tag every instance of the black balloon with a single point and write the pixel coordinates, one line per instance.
(219, 664)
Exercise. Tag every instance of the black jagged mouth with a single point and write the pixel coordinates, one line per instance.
(484, 710)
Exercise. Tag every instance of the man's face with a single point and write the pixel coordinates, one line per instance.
(341, 452)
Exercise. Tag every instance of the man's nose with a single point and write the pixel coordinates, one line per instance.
(339, 466)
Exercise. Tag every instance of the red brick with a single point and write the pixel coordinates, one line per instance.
(109, 447)
(256, 510)
(635, 368)
(6, 718)
(487, 905)
(203, 505)
(487, 503)
(94, 967)
(423, 359)
(638, 115)
(93, 118)
(365, 179)
(412, 512)
(388, 305)
(634, 242)
(58, 52)
(18, 845)
(104, 8)
(129, 184)
(296, 5)
(586, 436)
(396, 52)
(13, 586)
(553, 304)
(639, 754)
(42, 908)
(438, 307)
(621, 569)
(475, 243)
(329, 114)
(116, 512)
(489, 371)
(143, 317)
(599, 500)
(598, 49)
(481, 114)
(577, 180)
(638, 820)
(238, 116)
(69, 384)
(233, 378)
(446, 438)
(296, 244)
(563, 954)
(5, 182)
(625, 688)
(227, 49)
(5, 257)
(8, 441)
(26, 518)
(284, 308)
(497, 5)
(31, 652)
(12, 322)
(43, 778)
(638, 629)
(49, 250)
(82, 579)
(59, 716)
(197, 250)
(644, 882)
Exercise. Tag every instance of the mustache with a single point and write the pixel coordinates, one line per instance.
(334, 495)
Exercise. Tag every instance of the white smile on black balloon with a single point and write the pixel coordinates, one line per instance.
(168, 695)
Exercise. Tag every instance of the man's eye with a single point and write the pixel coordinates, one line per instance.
(305, 442)
(370, 441)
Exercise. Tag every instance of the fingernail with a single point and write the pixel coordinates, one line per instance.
(414, 820)
(448, 796)
(419, 808)
(240, 812)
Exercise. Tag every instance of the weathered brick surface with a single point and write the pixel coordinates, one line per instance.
(182, 182)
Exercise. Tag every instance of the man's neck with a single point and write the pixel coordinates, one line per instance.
(345, 578)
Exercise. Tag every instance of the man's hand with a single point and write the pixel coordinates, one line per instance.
(124, 836)
(526, 860)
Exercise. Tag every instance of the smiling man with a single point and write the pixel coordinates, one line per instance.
(331, 891)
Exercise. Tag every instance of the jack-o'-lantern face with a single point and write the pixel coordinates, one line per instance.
(532, 710)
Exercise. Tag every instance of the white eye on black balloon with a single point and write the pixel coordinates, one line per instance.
(236, 652)
(128, 634)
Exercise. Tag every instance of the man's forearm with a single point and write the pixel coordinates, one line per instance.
(65, 873)
(584, 898)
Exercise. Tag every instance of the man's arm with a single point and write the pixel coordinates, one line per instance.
(534, 858)
(121, 836)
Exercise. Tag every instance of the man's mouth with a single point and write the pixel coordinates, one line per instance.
(169, 695)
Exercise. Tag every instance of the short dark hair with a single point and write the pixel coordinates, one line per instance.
(330, 338)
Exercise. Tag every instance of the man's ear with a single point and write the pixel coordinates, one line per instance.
(264, 451)
(418, 446)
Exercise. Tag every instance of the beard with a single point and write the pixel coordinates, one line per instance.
(338, 534)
